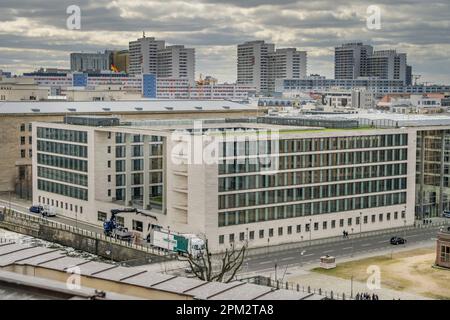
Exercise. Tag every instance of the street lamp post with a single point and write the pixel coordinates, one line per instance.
(405, 232)
(352, 244)
(310, 231)
(268, 243)
(360, 224)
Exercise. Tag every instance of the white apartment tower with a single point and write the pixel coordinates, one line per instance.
(350, 60)
(259, 64)
(148, 55)
(286, 63)
(253, 64)
(144, 55)
(177, 62)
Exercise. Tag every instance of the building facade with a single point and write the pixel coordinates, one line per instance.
(96, 62)
(177, 62)
(350, 60)
(267, 189)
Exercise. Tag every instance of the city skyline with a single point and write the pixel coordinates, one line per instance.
(215, 29)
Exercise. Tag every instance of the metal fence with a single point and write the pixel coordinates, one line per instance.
(12, 214)
(265, 281)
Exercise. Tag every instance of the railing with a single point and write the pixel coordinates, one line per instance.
(12, 214)
(263, 250)
(265, 281)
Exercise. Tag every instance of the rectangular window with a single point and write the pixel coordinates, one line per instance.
(221, 239)
(373, 218)
(241, 236)
(380, 217)
(280, 231)
(261, 234)
(137, 225)
(252, 235)
(299, 228)
(395, 215)
(341, 223)
(316, 226)
(349, 221)
(289, 230)
(101, 216)
(231, 237)
(271, 232)
(324, 225)
(333, 224)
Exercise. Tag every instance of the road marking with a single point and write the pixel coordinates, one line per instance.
(366, 245)
(307, 255)
(382, 241)
(328, 251)
(265, 262)
(346, 248)
(287, 258)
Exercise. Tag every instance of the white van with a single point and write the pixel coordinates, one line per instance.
(49, 211)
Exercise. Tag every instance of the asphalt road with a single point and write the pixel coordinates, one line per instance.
(350, 247)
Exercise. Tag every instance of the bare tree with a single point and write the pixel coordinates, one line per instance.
(220, 267)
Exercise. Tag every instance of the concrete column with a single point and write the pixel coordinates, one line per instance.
(147, 146)
(128, 139)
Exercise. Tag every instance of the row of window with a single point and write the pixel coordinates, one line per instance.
(316, 227)
(62, 134)
(246, 199)
(309, 208)
(23, 140)
(138, 164)
(62, 162)
(122, 138)
(63, 176)
(138, 150)
(138, 178)
(136, 224)
(227, 166)
(62, 189)
(62, 148)
(236, 148)
(60, 204)
(307, 177)
(23, 127)
(156, 193)
(23, 153)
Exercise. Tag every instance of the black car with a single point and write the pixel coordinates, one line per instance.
(397, 240)
(36, 209)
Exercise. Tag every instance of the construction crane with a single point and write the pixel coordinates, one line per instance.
(113, 229)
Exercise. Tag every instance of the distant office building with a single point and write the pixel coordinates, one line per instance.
(5, 74)
(286, 64)
(144, 55)
(148, 55)
(387, 64)
(260, 65)
(253, 64)
(82, 62)
(177, 62)
(409, 76)
(350, 60)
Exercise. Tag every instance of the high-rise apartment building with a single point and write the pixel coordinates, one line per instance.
(144, 55)
(387, 64)
(177, 62)
(286, 63)
(148, 55)
(350, 60)
(356, 60)
(259, 64)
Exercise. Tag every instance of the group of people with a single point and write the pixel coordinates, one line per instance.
(345, 234)
(366, 296)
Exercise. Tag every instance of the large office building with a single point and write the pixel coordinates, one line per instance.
(93, 62)
(16, 118)
(227, 180)
(260, 65)
(350, 60)
(387, 64)
(357, 60)
(150, 56)
(177, 62)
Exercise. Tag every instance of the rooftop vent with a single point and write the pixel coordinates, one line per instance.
(106, 109)
(226, 107)
(35, 110)
(169, 108)
(199, 108)
(72, 109)
(138, 108)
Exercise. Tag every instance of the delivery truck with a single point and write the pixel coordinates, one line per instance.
(177, 242)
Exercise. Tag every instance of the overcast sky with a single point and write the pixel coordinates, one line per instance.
(33, 33)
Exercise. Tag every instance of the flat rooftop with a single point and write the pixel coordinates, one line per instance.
(107, 107)
(51, 259)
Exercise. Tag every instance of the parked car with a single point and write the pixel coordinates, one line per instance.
(36, 209)
(398, 240)
(446, 214)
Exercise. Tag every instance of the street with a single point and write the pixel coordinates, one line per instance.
(349, 247)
